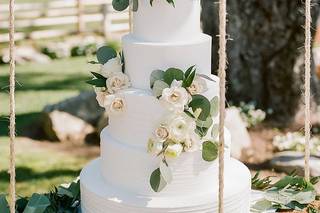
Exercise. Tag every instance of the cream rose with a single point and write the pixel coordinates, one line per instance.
(162, 133)
(175, 98)
(198, 86)
(154, 146)
(100, 96)
(118, 81)
(173, 150)
(111, 67)
(114, 104)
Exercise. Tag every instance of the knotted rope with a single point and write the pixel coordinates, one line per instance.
(307, 95)
(12, 127)
(222, 85)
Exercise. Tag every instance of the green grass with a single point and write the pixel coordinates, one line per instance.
(38, 168)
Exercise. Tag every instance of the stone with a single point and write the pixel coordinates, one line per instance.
(62, 126)
(239, 134)
(25, 54)
(84, 106)
(289, 161)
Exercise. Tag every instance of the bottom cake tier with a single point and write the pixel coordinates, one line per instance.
(97, 196)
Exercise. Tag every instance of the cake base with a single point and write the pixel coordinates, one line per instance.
(97, 196)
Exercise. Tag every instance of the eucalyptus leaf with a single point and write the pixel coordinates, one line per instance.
(156, 181)
(104, 54)
(158, 87)
(214, 110)
(201, 102)
(99, 76)
(135, 5)
(207, 123)
(262, 206)
(155, 76)
(120, 5)
(165, 172)
(215, 131)
(173, 74)
(21, 204)
(37, 204)
(4, 206)
(209, 151)
(97, 82)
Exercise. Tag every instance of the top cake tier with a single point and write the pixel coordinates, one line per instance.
(162, 22)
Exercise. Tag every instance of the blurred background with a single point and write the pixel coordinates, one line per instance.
(58, 119)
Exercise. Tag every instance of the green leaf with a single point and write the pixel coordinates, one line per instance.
(99, 76)
(206, 77)
(215, 131)
(155, 76)
(104, 54)
(201, 102)
(262, 206)
(21, 204)
(37, 204)
(72, 191)
(214, 110)
(189, 70)
(93, 62)
(156, 181)
(173, 74)
(4, 206)
(165, 171)
(209, 151)
(207, 123)
(120, 5)
(135, 5)
(189, 79)
(158, 87)
(97, 82)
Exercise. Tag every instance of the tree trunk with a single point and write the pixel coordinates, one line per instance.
(267, 38)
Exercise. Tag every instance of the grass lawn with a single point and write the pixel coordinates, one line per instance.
(39, 167)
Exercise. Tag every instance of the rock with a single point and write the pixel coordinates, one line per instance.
(83, 106)
(240, 137)
(289, 161)
(63, 126)
(25, 54)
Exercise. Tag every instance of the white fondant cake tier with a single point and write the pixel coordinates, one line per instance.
(98, 196)
(141, 58)
(129, 168)
(163, 22)
(143, 115)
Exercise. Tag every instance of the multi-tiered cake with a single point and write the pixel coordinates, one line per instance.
(119, 181)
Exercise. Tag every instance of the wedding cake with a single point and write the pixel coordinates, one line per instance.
(159, 151)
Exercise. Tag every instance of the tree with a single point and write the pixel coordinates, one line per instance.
(267, 40)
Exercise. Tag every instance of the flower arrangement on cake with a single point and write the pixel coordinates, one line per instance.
(186, 127)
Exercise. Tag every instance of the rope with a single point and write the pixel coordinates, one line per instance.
(307, 59)
(12, 172)
(222, 85)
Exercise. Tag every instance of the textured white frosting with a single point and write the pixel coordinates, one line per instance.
(163, 22)
(143, 114)
(98, 196)
(141, 57)
(129, 167)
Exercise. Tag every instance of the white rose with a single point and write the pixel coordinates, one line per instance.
(111, 67)
(173, 150)
(100, 96)
(118, 81)
(162, 133)
(175, 98)
(180, 125)
(154, 146)
(114, 104)
(192, 142)
(198, 86)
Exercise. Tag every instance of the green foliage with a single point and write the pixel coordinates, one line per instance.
(260, 184)
(60, 200)
(158, 87)
(156, 181)
(209, 151)
(120, 5)
(173, 74)
(156, 75)
(189, 77)
(201, 102)
(97, 82)
(169, 1)
(135, 5)
(214, 110)
(289, 193)
(104, 54)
